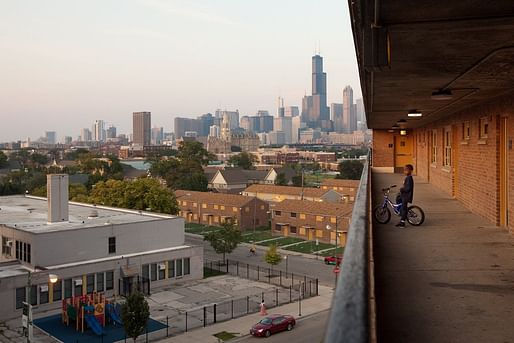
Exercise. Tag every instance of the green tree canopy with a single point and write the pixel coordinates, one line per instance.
(135, 313)
(350, 170)
(224, 240)
(281, 180)
(272, 256)
(244, 160)
(140, 194)
(3, 159)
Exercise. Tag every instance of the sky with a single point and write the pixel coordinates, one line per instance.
(65, 63)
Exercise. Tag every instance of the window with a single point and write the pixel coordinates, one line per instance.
(319, 218)
(292, 229)
(145, 271)
(433, 156)
(484, 127)
(162, 271)
(6, 249)
(23, 251)
(20, 297)
(78, 287)
(195, 204)
(216, 207)
(278, 227)
(99, 282)
(109, 280)
(184, 203)
(67, 288)
(234, 209)
(247, 209)
(28, 255)
(187, 266)
(17, 250)
(262, 207)
(112, 245)
(43, 294)
(447, 147)
(57, 290)
(153, 271)
(333, 220)
(466, 130)
(278, 213)
(90, 283)
(293, 215)
(222, 207)
(171, 268)
(319, 233)
(179, 267)
(302, 215)
(204, 205)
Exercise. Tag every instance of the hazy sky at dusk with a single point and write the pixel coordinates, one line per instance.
(64, 64)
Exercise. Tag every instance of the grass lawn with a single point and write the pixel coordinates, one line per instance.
(257, 236)
(283, 241)
(310, 247)
(340, 251)
(224, 336)
(199, 229)
(207, 272)
(316, 179)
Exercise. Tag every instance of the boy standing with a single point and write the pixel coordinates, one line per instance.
(406, 193)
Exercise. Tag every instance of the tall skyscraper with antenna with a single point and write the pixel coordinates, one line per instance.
(315, 111)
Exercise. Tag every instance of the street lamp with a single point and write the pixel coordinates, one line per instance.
(27, 306)
(285, 258)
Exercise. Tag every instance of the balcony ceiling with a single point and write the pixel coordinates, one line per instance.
(466, 46)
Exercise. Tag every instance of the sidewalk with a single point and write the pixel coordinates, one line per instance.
(242, 325)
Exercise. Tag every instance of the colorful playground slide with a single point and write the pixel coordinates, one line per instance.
(113, 314)
(93, 324)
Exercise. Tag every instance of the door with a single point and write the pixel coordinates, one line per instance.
(310, 232)
(403, 152)
(504, 172)
(285, 230)
(455, 160)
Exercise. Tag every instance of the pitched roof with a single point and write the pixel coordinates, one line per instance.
(287, 190)
(213, 198)
(289, 173)
(237, 175)
(314, 207)
(340, 183)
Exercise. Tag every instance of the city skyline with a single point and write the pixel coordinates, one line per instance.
(60, 85)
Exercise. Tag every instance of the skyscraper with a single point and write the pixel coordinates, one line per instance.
(233, 118)
(157, 135)
(314, 107)
(349, 116)
(336, 111)
(50, 137)
(99, 131)
(85, 135)
(291, 111)
(141, 128)
(110, 132)
(284, 124)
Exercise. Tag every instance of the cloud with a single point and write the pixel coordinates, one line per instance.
(179, 8)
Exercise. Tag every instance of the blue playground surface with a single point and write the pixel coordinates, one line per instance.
(67, 334)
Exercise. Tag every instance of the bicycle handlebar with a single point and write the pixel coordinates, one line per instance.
(388, 188)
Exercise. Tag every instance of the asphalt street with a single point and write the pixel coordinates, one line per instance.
(308, 330)
(295, 264)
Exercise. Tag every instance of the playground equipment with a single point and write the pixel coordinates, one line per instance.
(113, 311)
(89, 308)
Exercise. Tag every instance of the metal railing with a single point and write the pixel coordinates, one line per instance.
(350, 319)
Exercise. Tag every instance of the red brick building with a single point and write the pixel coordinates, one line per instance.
(216, 208)
(309, 220)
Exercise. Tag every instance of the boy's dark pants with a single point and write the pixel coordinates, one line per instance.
(403, 211)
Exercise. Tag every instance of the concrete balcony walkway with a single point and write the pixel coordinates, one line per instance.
(449, 280)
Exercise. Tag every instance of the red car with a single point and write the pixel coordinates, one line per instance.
(333, 260)
(273, 324)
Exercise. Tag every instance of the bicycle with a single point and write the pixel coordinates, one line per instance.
(382, 213)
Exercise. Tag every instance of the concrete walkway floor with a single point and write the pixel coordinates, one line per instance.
(449, 280)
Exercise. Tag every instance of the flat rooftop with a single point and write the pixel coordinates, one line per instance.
(28, 213)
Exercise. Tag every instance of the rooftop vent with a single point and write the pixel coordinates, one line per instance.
(57, 195)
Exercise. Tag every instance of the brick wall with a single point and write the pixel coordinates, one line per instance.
(383, 149)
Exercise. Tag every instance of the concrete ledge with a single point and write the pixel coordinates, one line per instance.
(383, 170)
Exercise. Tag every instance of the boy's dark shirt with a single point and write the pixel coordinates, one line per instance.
(407, 191)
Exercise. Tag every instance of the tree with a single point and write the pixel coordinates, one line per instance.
(350, 170)
(272, 256)
(297, 180)
(244, 160)
(135, 313)
(225, 240)
(281, 180)
(139, 194)
(3, 159)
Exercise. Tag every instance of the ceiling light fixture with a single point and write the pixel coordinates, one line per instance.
(395, 127)
(403, 132)
(414, 114)
(401, 121)
(442, 94)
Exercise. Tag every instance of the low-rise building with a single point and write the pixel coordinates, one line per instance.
(275, 173)
(343, 186)
(217, 208)
(312, 220)
(88, 248)
(235, 180)
(274, 193)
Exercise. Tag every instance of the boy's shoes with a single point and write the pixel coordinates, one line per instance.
(400, 224)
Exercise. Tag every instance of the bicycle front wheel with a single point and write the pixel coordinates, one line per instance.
(415, 215)
(382, 214)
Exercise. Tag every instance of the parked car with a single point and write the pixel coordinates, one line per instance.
(273, 324)
(334, 260)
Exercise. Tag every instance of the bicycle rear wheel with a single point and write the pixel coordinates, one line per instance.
(415, 215)
(382, 214)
